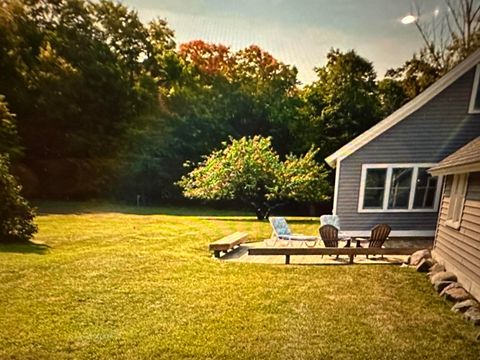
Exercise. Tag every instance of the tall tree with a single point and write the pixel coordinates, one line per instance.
(391, 94)
(341, 103)
(80, 75)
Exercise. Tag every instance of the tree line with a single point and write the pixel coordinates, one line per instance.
(107, 106)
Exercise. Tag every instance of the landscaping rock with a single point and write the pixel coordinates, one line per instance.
(418, 256)
(455, 292)
(463, 306)
(436, 268)
(440, 285)
(473, 315)
(443, 276)
(424, 265)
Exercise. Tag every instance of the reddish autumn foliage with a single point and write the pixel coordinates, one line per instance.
(209, 58)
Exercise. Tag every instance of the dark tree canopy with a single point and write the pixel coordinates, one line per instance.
(103, 105)
(342, 103)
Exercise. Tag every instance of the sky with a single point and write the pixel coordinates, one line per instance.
(298, 32)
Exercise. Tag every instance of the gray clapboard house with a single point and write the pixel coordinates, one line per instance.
(381, 175)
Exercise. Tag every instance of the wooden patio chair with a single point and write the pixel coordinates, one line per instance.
(329, 235)
(379, 235)
(335, 221)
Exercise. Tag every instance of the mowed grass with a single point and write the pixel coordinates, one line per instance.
(115, 282)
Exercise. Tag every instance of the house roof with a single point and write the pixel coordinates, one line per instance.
(406, 110)
(466, 159)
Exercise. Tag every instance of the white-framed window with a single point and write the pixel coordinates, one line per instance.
(398, 188)
(457, 200)
(474, 107)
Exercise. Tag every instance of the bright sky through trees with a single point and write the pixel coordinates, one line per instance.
(298, 32)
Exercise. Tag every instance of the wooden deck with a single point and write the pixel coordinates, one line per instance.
(241, 255)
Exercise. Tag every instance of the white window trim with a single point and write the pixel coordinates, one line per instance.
(456, 179)
(389, 168)
(471, 107)
(337, 184)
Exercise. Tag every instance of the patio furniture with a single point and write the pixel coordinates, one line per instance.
(330, 220)
(378, 236)
(227, 243)
(329, 235)
(281, 231)
(335, 221)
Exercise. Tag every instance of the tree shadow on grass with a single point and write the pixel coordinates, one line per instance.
(94, 207)
(254, 220)
(27, 247)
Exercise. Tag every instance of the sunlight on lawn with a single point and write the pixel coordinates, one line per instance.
(125, 285)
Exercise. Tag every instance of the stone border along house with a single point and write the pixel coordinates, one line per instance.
(381, 175)
(457, 240)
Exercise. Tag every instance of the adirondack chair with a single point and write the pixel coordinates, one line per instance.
(378, 236)
(329, 235)
(335, 221)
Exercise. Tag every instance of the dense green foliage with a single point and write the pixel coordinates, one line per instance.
(16, 215)
(249, 169)
(113, 282)
(107, 105)
(342, 103)
(9, 141)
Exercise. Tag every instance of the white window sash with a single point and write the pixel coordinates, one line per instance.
(413, 187)
(388, 182)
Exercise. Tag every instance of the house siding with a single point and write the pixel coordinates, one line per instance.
(436, 130)
(459, 249)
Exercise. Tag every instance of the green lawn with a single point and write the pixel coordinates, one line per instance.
(113, 282)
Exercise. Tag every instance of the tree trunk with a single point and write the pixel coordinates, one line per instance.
(260, 211)
(263, 210)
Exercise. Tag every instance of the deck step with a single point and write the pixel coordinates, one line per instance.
(228, 242)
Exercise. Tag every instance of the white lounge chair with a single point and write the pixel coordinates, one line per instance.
(281, 231)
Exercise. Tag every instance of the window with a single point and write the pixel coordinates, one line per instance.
(457, 199)
(426, 187)
(400, 186)
(474, 107)
(397, 188)
(375, 188)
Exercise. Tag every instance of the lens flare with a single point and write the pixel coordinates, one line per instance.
(408, 19)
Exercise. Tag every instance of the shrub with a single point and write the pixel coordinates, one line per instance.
(16, 215)
(9, 142)
(250, 170)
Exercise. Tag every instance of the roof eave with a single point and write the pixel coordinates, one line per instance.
(406, 110)
(455, 169)
(331, 161)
